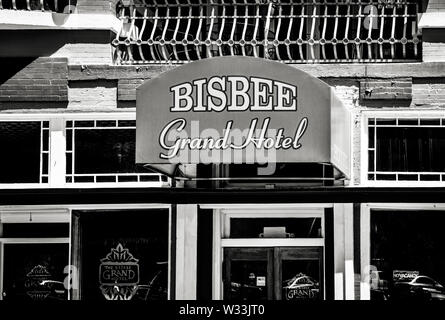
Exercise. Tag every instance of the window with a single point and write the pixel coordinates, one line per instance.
(289, 31)
(122, 255)
(407, 254)
(25, 156)
(101, 151)
(35, 271)
(406, 149)
(34, 258)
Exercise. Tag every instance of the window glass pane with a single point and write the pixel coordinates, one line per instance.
(124, 255)
(244, 284)
(411, 149)
(301, 280)
(20, 158)
(275, 227)
(371, 137)
(105, 151)
(34, 272)
(407, 255)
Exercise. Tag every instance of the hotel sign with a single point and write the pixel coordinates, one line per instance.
(240, 110)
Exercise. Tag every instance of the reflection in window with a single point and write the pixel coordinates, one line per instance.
(35, 272)
(406, 149)
(407, 255)
(123, 255)
(25, 155)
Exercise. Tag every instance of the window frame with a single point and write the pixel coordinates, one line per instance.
(221, 221)
(48, 152)
(364, 146)
(57, 150)
(43, 216)
(55, 213)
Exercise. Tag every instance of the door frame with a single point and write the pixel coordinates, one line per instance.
(221, 224)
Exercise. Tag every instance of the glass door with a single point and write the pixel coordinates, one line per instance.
(248, 273)
(298, 274)
(280, 273)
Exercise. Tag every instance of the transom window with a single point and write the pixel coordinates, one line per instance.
(288, 31)
(101, 151)
(26, 151)
(406, 149)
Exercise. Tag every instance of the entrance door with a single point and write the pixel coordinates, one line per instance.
(281, 273)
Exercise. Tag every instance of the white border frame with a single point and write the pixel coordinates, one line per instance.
(364, 143)
(68, 209)
(365, 234)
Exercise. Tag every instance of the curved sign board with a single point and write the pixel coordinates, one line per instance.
(240, 110)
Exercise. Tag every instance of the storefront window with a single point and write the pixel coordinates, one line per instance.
(34, 260)
(25, 155)
(34, 271)
(101, 151)
(407, 255)
(406, 149)
(123, 255)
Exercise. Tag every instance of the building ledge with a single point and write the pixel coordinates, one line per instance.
(35, 20)
(432, 20)
(28, 197)
(377, 70)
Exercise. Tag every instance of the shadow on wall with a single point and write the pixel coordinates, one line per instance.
(11, 66)
(33, 83)
(44, 43)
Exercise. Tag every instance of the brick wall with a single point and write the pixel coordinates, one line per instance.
(81, 47)
(96, 6)
(429, 92)
(434, 51)
(436, 6)
(92, 95)
(42, 79)
(127, 89)
(348, 92)
(386, 89)
(85, 53)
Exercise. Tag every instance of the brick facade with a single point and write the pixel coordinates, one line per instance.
(44, 79)
(429, 92)
(387, 89)
(436, 6)
(96, 6)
